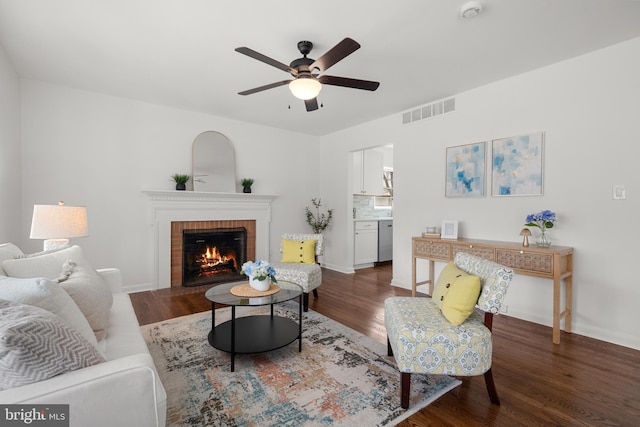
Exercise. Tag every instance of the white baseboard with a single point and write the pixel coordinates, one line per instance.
(614, 337)
(606, 335)
(397, 284)
(359, 266)
(129, 289)
(337, 268)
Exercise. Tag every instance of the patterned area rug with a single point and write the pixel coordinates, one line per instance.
(341, 377)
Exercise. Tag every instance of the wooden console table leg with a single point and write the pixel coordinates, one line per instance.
(557, 292)
(558, 276)
(557, 283)
(413, 276)
(568, 282)
(432, 266)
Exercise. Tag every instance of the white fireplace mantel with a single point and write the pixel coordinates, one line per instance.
(168, 206)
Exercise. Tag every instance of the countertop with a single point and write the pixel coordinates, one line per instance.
(373, 219)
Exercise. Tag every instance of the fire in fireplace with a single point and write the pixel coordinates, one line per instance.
(213, 256)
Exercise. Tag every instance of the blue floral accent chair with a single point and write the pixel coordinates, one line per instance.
(307, 275)
(425, 342)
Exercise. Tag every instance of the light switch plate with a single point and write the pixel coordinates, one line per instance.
(619, 192)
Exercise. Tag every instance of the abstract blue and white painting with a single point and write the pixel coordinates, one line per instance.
(517, 165)
(466, 165)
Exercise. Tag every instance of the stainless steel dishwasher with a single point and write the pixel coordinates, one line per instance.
(385, 240)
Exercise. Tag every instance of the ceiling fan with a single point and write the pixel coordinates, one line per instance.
(307, 81)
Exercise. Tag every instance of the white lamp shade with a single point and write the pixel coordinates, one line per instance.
(305, 88)
(59, 222)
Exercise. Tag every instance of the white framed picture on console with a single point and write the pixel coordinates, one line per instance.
(449, 229)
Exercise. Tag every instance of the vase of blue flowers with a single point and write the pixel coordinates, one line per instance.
(260, 274)
(543, 220)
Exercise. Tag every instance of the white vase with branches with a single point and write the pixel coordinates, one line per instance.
(318, 221)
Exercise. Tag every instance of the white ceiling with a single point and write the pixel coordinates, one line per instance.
(181, 52)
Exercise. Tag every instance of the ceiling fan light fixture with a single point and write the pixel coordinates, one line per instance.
(305, 88)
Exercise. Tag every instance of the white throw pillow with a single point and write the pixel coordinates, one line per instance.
(8, 251)
(47, 295)
(90, 293)
(36, 345)
(35, 254)
(84, 285)
(47, 264)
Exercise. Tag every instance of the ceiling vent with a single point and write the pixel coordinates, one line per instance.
(429, 111)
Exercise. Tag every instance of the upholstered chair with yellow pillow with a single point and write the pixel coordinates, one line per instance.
(449, 333)
(299, 262)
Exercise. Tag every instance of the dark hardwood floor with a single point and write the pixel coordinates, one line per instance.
(580, 382)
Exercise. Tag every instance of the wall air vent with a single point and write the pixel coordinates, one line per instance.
(429, 111)
(449, 105)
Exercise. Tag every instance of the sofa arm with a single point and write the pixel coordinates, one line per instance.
(112, 277)
(119, 392)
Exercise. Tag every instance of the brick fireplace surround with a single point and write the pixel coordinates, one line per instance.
(177, 227)
(202, 209)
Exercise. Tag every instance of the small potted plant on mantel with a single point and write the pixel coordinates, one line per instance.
(246, 184)
(181, 181)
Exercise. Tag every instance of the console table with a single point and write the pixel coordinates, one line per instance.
(555, 263)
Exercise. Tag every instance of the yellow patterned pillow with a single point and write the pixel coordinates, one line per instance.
(299, 251)
(456, 293)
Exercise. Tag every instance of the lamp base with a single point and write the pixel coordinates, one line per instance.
(53, 244)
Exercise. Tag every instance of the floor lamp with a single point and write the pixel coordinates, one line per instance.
(58, 223)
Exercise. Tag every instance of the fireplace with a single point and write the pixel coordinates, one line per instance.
(210, 252)
(174, 211)
(213, 256)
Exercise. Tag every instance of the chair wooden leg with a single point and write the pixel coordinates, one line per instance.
(405, 389)
(315, 293)
(305, 301)
(405, 381)
(491, 387)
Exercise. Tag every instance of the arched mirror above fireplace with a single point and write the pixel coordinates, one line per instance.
(214, 165)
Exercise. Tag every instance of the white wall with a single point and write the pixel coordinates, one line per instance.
(101, 151)
(10, 183)
(588, 108)
(92, 149)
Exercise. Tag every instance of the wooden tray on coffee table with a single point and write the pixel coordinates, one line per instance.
(245, 290)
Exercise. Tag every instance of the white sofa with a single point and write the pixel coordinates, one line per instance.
(123, 391)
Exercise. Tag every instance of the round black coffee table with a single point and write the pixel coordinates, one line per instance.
(253, 334)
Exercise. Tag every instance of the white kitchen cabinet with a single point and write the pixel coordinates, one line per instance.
(366, 242)
(368, 173)
(358, 167)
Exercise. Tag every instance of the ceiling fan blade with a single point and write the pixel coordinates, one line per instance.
(340, 51)
(262, 58)
(265, 87)
(347, 82)
(311, 104)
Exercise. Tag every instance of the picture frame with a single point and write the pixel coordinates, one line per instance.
(449, 229)
(517, 165)
(466, 170)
